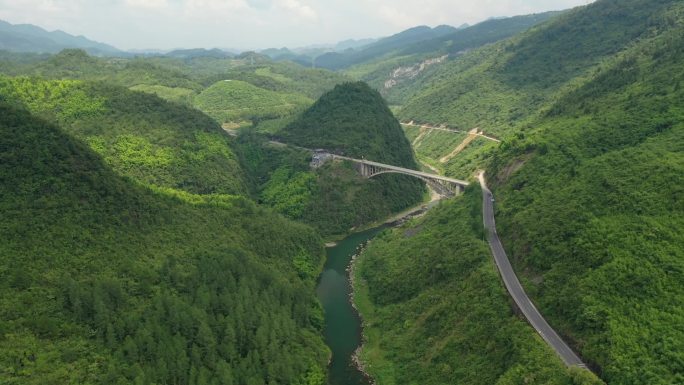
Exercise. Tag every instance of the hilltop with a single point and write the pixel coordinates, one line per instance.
(354, 120)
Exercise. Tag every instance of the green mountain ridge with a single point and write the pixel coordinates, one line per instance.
(503, 85)
(596, 193)
(402, 73)
(341, 60)
(588, 198)
(352, 119)
(105, 281)
(139, 135)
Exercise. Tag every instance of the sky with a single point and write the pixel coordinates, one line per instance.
(254, 24)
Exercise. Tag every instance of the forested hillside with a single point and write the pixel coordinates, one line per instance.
(503, 85)
(77, 64)
(353, 120)
(235, 101)
(590, 207)
(382, 47)
(399, 75)
(105, 281)
(435, 311)
(588, 196)
(140, 243)
(275, 92)
(138, 135)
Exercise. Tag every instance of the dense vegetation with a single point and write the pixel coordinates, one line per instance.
(138, 135)
(236, 101)
(589, 202)
(380, 69)
(333, 198)
(353, 120)
(194, 80)
(104, 281)
(382, 47)
(435, 310)
(590, 207)
(77, 64)
(127, 256)
(503, 85)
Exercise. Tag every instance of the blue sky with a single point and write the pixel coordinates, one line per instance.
(252, 24)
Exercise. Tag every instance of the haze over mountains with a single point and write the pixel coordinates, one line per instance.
(30, 38)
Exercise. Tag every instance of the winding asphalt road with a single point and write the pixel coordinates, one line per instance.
(515, 288)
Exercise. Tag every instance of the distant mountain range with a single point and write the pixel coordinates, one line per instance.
(199, 52)
(30, 38)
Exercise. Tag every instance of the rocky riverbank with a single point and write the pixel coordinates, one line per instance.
(356, 357)
(351, 271)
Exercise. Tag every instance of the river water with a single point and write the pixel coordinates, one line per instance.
(342, 323)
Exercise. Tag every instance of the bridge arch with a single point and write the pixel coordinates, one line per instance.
(424, 179)
(441, 187)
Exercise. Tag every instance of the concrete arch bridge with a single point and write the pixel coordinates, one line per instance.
(443, 185)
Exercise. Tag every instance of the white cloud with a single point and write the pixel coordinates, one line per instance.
(295, 7)
(48, 14)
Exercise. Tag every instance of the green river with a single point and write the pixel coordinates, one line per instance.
(342, 323)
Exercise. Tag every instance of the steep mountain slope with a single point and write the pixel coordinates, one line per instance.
(104, 281)
(138, 135)
(352, 119)
(341, 60)
(30, 38)
(401, 74)
(588, 195)
(435, 311)
(501, 86)
(486, 32)
(590, 208)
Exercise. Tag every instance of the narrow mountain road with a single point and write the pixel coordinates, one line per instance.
(429, 127)
(516, 290)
